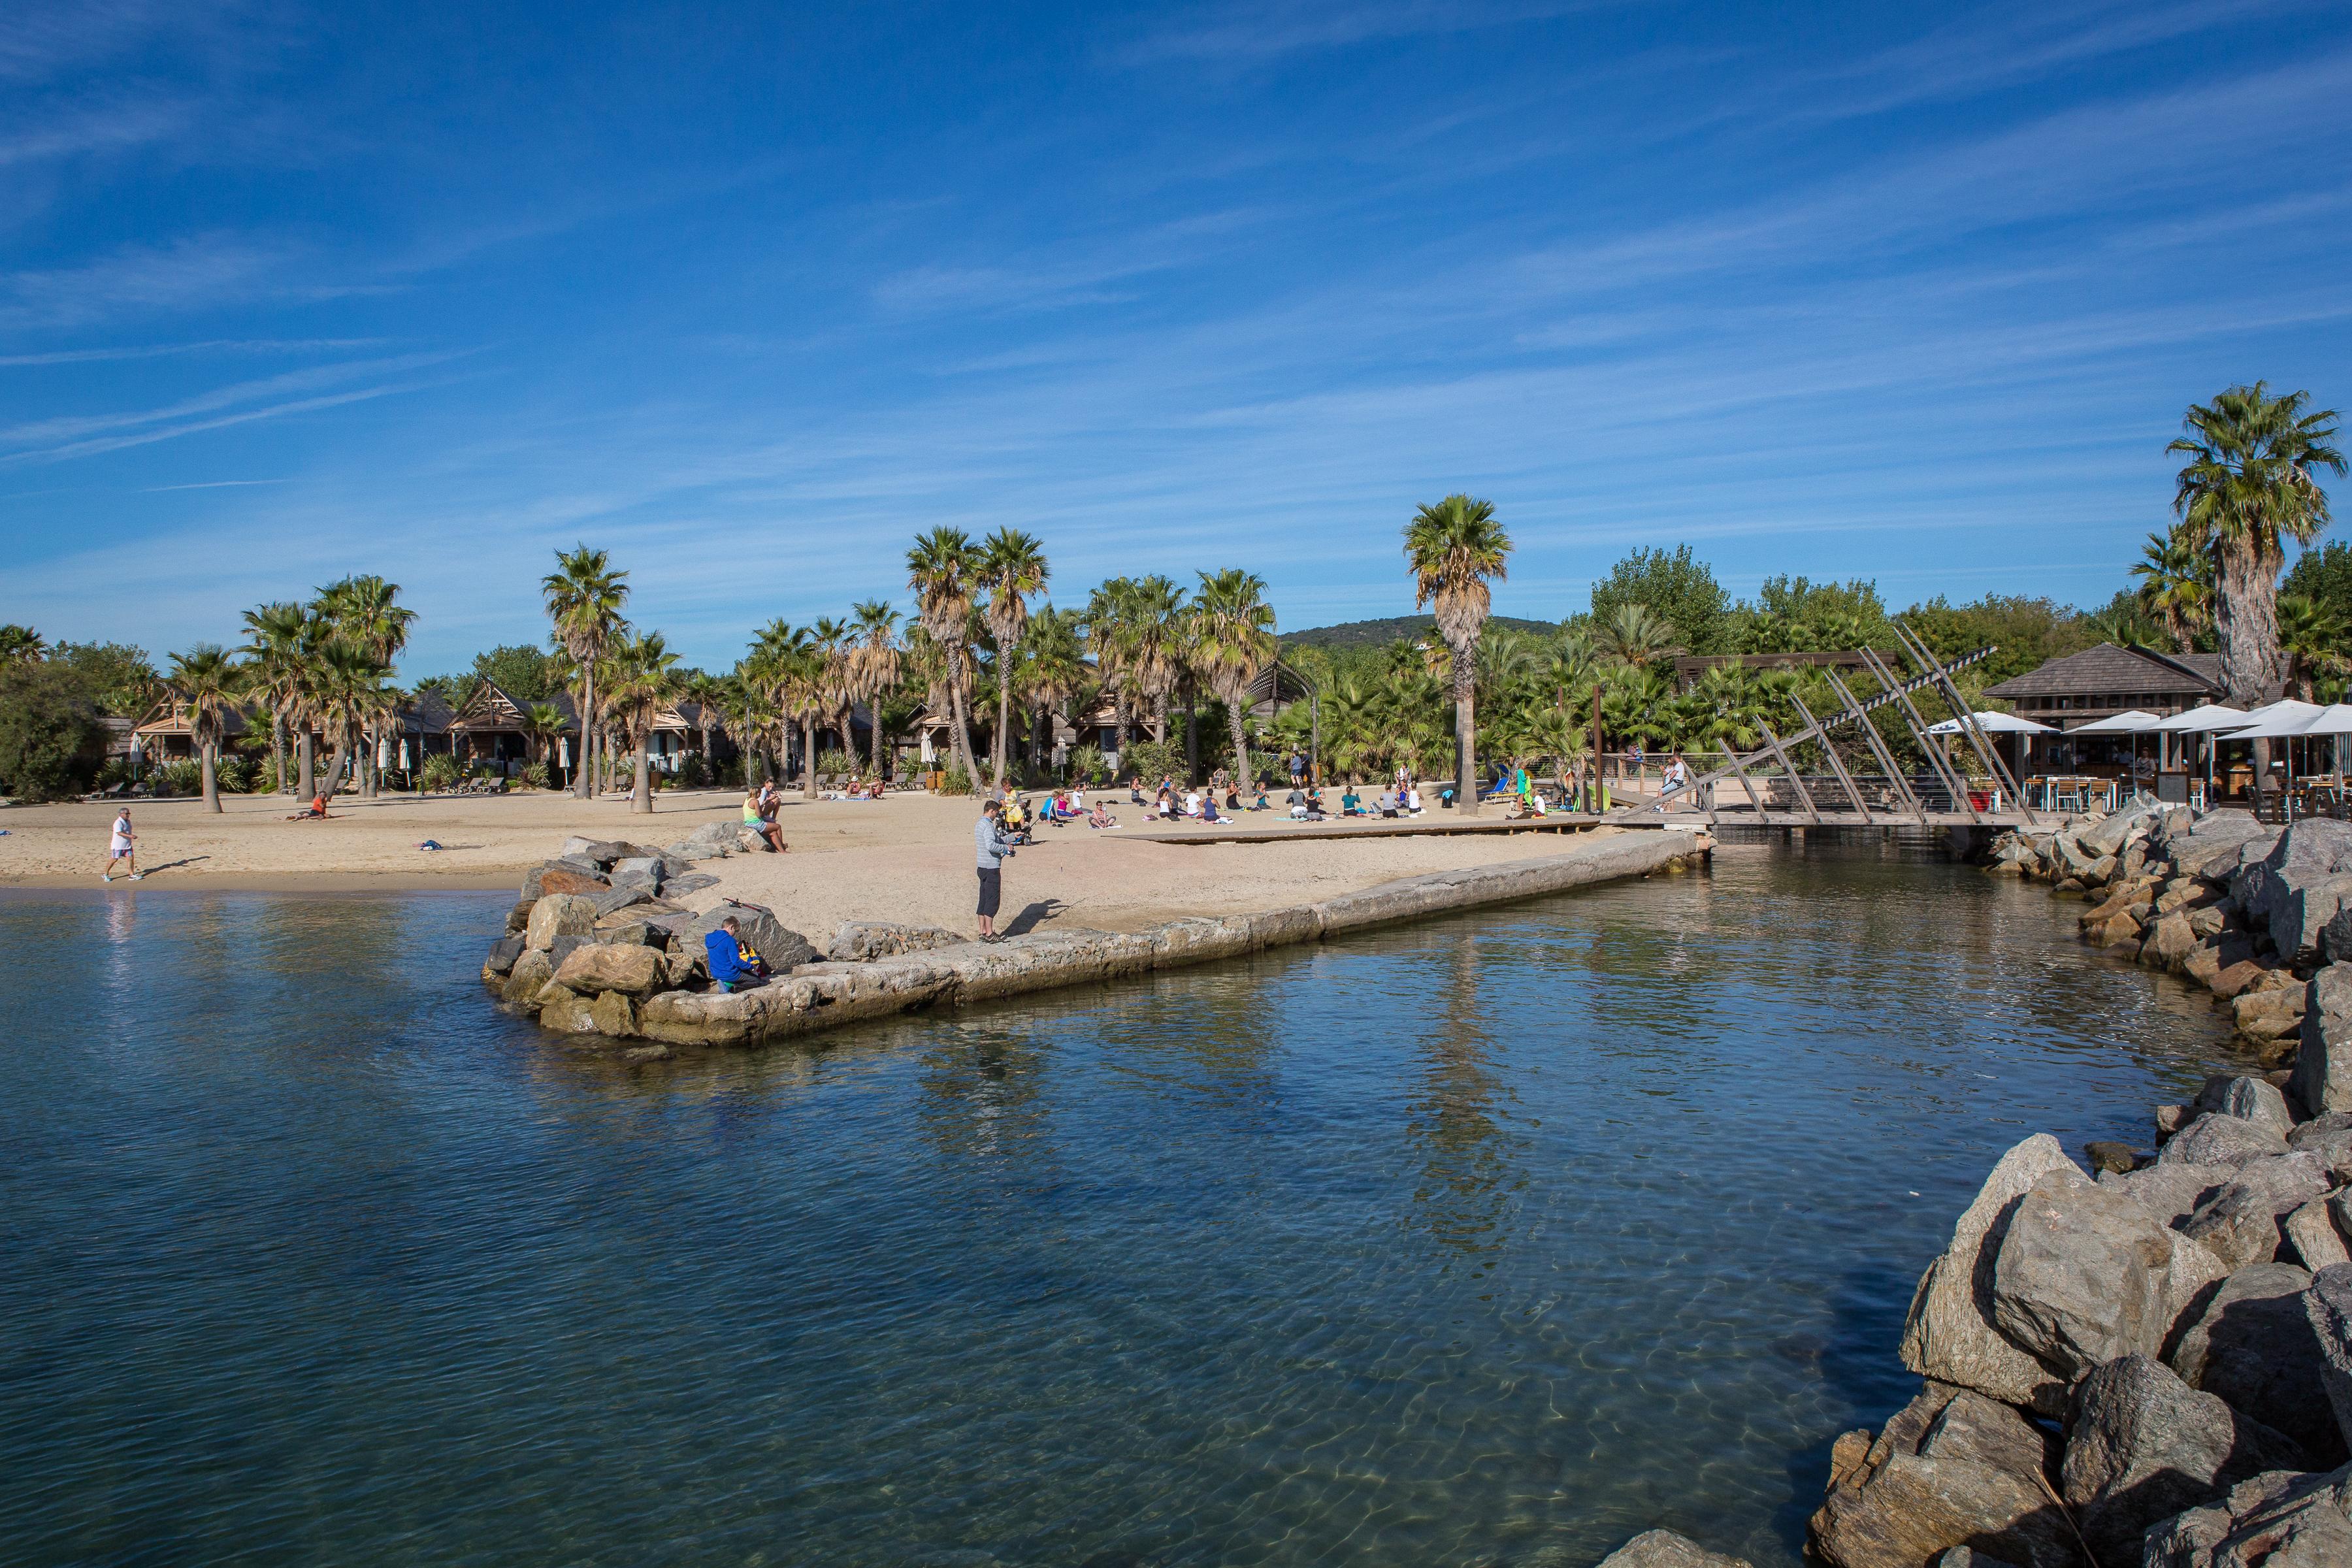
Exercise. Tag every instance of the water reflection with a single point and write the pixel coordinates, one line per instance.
(1493, 1239)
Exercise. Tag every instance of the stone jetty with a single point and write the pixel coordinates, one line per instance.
(598, 945)
(2145, 1362)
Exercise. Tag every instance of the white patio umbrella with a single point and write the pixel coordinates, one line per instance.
(2132, 722)
(2281, 721)
(1993, 724)
(2204, 720)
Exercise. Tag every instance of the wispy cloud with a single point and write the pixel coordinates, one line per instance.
(1232, 34)
(214, 346)
(211, 485)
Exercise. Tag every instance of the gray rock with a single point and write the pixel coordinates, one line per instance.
(519, 917)
(614, 899)
(678, 887)
(2252, 1345)
(2239, 1223)
(1664, 1549)
(565, 946)
(2328, 1304)
(1951, 1468)
(2109, 834)
(569, 875)
(2323, 1068)
(2141, 1446)
(2172, 1191)
(561, 914)
(2255, 1100)
(861, 942)
(2303, 910)
(650, 867)
(532, 971)
(2311, 1231)
(2080, 1275)
(2307, 852)
(503, 954)
(2320, 1127)
(2278, 1519)
(566, 1014)
(783, 948)
(1948, 1335)
(2217, 1139)
(624, 929)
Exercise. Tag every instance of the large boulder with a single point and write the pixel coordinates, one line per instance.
(783, 948)
(1948, 1336)
(2171, 1190)
(608, 966)
(2170, 943)
(1664, 1549)
(2253, 1346)
(2306, 854)
(2141, 1446)
(532, 971)
(2218, 1140)
(503, 954)
(2328, 1304)
(2257, 1101)
(558, 915)
(2311, 1231)
(2084, 1275)
(1951, 1468)
(2278, 1519)
(621, 896)
(2323, 1068)
(2301, 914)
(561, 877)
(2240, 1222)
(2110, 834)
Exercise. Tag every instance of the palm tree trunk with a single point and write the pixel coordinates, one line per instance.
(1192, 739)
(874, 729)
(963, 729)
(304, 760)
(641, 798)
(334, 780)
(1003, 746)
(808, 757)
(1234, 711)
(212, 780)
(583, 783)
(1465, 730)
(278, 752)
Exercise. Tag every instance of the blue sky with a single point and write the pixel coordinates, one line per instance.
(749, 296)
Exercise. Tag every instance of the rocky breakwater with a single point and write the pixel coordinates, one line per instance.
(597, 947)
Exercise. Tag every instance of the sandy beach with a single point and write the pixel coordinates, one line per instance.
(907, 858)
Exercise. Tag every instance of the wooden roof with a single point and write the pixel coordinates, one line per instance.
(2109, 671)
(489, 708)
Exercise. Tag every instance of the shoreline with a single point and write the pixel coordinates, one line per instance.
(381, 883)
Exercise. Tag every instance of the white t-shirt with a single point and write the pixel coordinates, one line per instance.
(122, 835)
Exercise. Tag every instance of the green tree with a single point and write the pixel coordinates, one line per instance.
(2176, 586)
(1236, 643)
(583, 596)
(20, 644)
(2252, 483)
(876, 663)
(208, 682)
(1013, 568)
(2323, 576)
(119, 677)
(1675, 586)
(273, 658)
(644, 676)
(1454, 548)
(522, 672)
(52, 732)
(942, 572)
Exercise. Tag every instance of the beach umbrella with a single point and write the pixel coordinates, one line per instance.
(2276, 721)
(2134, 723)
(1993, 724)
(403, 754)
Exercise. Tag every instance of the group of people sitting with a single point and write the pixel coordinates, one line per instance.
(1061, 808)
(1403, 800)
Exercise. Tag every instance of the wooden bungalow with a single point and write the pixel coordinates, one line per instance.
(166, 735)
(488, 729)
(2102, 681)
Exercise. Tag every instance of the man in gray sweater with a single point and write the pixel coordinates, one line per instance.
(988, 837)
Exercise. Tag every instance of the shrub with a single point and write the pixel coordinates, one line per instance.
(1087, 765)
(834, 760)
(731, 772)
(692, 774)
(955, 781)
(1152, 760)
(439, 772)
(233, 776)
(186, 777)
(51, 740)
(265, 775)
(536, 776)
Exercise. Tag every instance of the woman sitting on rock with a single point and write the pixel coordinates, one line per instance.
(758, 822)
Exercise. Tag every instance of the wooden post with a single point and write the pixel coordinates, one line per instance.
(1837, 763)
(1804, 795)
(1952, 782)
(1878, 749)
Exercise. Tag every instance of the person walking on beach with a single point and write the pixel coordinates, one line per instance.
(988, 838)
(122, 846)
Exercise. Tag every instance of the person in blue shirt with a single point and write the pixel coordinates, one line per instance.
(733, 966)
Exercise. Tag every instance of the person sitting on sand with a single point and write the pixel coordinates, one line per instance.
(315, 812)
(762, 825)
(1209, 807)
(1101, 817)
(1261, 803)
(1135, 790)
(735, 965)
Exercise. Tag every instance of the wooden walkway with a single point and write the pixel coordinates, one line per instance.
(1283, 828)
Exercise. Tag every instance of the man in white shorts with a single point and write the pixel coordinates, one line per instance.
(120, 848)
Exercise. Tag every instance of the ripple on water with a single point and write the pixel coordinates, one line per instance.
(1493, 1239)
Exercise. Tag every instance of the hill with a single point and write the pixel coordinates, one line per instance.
(1379, 634)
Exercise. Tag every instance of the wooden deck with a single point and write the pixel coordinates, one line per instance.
(1432, 825)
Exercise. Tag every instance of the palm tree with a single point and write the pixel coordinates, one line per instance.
(644, 674)
(2176, 585)
(767, 675)
(941, 570)
(1636, 634)
(367, 610)
(1052, 671)
(708, 694)
(583, 596)
(1011, 567)
(207, 682)
(836, 685)
(2311, 637)
(543, 724)
(346, 692)
(1155, 645)
(21, 644)
(2252, 483)
(273, 660)
(1237, 642)
(875, 625)
(1453, 548)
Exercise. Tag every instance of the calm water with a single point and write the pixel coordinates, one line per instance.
(1489, 1241)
